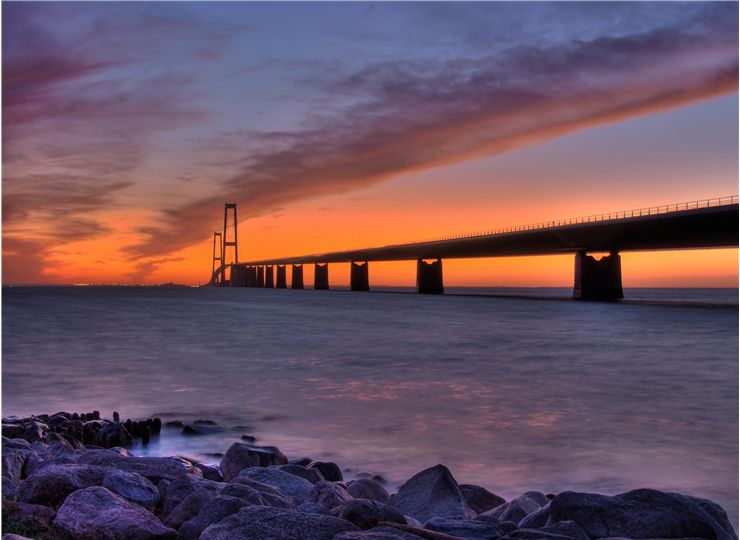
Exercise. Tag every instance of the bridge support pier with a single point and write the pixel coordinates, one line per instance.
(281, 282)
(260, 276)
(238, 276)
(358, 276)
(429, 277)
(321, 277)
(598, 280)
(252, 276)
(297, 277)
(269, 279)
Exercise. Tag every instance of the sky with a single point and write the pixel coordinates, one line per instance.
(127, 126)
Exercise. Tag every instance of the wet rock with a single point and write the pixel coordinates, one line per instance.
(173, 492)
(246, 493)
(155, 469)
(378, 533)
(209, 472)
(367, 514)
(329, 471)
(519, 508)
(12, 462)
(249, 438)
(271, 495)
(314, 508)
(480, 499)
(51, 485)
(13, 431)
(294, 486)
(312, 475)
(265, 523)
(28, 516)
(536, 519)
(34, 431)
(365, 488)
(239, 456)
(642, 513)
(95, 513)
(421, 532)
(58, 445)
(189, 507)
(468, 529)
(564, 530)
(112, 434)
(11, 536)
(217, 509)
(431, 493)
(303, 462)
(329, 494)
(132, 487)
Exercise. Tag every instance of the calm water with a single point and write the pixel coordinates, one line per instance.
(511, 394)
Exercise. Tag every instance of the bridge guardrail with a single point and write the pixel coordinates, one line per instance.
(610, 216)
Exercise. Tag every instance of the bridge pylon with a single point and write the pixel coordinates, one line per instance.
(217, 242)
(229, 243)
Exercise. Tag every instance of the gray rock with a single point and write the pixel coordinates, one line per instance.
(294, 486)
(270, 494)
(155, 469)
(29, 516)
(189, 507)
(329, 471)
(480, 499)
(34, 431)
(265, 523)
(173, 492)
(329, 494)
(239, 456)
(642, 513)
(51, 485)
(13, 460)
(95, 513)
(214, 511)
(10, 536)
(112, 434)
(244, 492)
(365, 488)
(209, 472)
(13, 431)
(314, 508)
(378, 533)
(564, 530)
(464, 528)
(366, 514)
(519, 508)
(431, 493)
(132, 487)
(312, 475)
(536, 519)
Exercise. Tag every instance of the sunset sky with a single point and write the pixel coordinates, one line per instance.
(126, 126)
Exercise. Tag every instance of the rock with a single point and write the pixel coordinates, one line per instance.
(189, 507)
(431, 493)
(13, 460)
(95, 513)
(15, 537)
(132, 487)
(51, 484)
(13, 431)
(113, 434)
(246, 493)
(329, 471)
(173, 492)
(314, 508)
(519, 508)
(294, 486)
(642, 513)
(365, 488)
(34, 431)
(155, 469)
(312, 475)
(468, 529)
(366, 514)
(271, 495)
(239, 456)
(716, 511)
(329, 494)
(480, 499)
(214, 511)
(27, 517)
(58, 445)
(536, 519)
(564, 530)
(265, 523)
(209, 472)
(378, 533)
(427, 534)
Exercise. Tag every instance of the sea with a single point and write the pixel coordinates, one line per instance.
(511, 389)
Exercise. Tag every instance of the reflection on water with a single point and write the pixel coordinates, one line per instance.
(510, 394)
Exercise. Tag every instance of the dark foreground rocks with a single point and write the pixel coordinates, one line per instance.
(57, 487)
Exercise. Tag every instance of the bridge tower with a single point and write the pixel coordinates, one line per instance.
(220, 259)
(229, 243)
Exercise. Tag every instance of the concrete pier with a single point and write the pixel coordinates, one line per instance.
(598, 280)
(260, 276)
(251, 276)
(281, 282)
(297, 277)
(321, 277)
(269, 279)
(429, 277)
(359, 279)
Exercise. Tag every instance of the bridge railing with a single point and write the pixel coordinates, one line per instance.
(610, 216)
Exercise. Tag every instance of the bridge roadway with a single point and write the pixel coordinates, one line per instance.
(705, 224)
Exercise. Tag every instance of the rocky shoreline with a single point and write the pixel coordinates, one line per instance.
(69, 476)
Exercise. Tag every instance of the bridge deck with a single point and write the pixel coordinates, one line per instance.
(711, 223)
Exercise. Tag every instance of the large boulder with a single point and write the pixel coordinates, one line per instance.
(155, 469)
(378, 533)
(536, 519)
(480, 499)
(214, 511)
(34, 519)
(367, 514)
(329, 471)
(517, 509)
(112, 434)
(132, 487)
(271, 496)
(464, 528)
(366, 488)
(431, 493)
(242, 455)
(294, 486)
(51, 485)
(329, 494)
(312, 475)
(563, 530)
(642, 513)
(265, 523)
(190, 507)
(95, 513)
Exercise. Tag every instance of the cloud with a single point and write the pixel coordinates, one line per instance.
(415, 115)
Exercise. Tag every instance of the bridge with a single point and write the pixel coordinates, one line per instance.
(709, 223)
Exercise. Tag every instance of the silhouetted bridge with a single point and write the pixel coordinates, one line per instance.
(711, 223)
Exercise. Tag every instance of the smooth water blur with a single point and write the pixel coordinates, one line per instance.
(510, 394)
